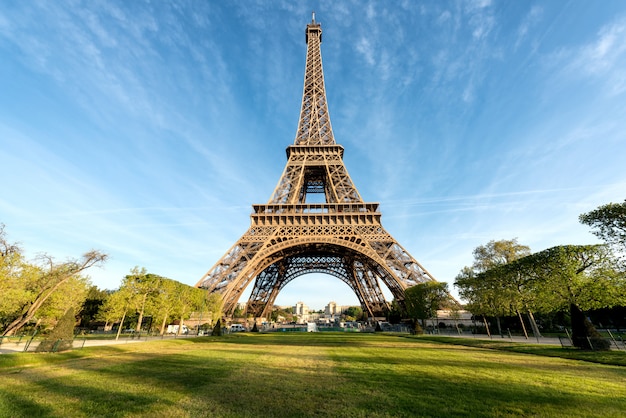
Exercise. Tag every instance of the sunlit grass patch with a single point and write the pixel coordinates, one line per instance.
(305, 375)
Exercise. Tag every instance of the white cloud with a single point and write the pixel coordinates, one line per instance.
(530, 20)
(602, 60)
(364, 47)
(444, 17)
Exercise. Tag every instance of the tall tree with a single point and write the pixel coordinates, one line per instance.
(485, 295)
(141, 286)
(188, 299)
(490, 294)
(62, 336)
(28, 286)
(162, 304)
(18, 281)
(582, 275)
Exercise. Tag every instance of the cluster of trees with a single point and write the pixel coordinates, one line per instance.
(39, 293)
(163, 300)
(506, 279)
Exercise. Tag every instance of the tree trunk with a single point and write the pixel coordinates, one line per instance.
(521, 320)
(140, 319)
(499, 326)
(119, 329)
(584, 334)
(163, 325)
(533, 324)
(487, 326)
(23, 319)
(180, 325)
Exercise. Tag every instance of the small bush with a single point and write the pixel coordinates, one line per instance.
(61, 338)
(217, 330)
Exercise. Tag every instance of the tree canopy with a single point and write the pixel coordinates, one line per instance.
(162, 299)
(498, 253)
(608, 223)
(486, 291)
(568, 277)
(424, 299)
(44, 286)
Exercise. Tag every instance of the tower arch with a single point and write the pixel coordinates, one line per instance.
(348, 263)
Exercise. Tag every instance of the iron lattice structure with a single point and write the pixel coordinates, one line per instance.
(289, 237)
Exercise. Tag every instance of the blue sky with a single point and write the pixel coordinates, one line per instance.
(148, 129)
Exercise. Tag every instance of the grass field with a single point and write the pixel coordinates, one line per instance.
(255, 375)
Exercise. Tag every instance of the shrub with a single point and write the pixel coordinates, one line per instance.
(61, 338)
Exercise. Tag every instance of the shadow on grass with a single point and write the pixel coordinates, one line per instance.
(16, 406)
(614, 358)
(305, 376)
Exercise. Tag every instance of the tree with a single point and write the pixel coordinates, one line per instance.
(18, 280)
(92, 305)
(163, 302)
(116, 307)
(213, 305)
(140, 286)
(498, 253)
(71, 294)
(188, 299)
(578, 278)
(354, 312)
(484, 295)
(609, 224)
(490, 294)
(424, 299)
(26, 286)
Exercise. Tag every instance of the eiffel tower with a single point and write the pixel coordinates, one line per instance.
(289, 237)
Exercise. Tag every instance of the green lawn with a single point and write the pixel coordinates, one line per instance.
(314, 374)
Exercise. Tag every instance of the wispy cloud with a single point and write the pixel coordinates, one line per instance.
(532, 18)
(601, 60)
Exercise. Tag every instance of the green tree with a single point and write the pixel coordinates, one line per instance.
(188, 299)
(91, 306)
(71, 294)
(213, 306)
(116, 307)
(424, 299)
(26, 287)
(498, 253)
(18, 281)
(141, 287)
(483, 295)
(608, 223)
(162, 303)
(354, 312)
(578, 278)
(238, 312)
(490, 294)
